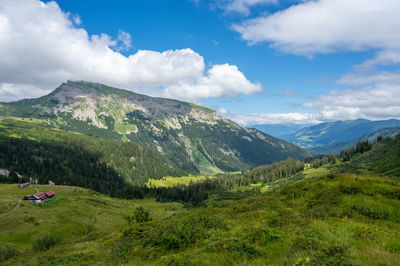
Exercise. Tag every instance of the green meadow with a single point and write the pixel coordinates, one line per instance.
(75, 213)
(170, 181)
(332, 220)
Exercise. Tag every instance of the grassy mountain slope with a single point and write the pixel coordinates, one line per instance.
(312, 217)
(335, 220)
(77, 215)
(34, 149)
(337, 148)
(382, 159)
(192, 137)
(331, 133)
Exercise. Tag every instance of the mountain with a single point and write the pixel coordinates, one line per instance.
(192, 137)
(337, 148)
(332, 133)
(278, 130)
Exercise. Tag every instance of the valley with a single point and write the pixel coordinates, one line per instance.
(323, 210)
(236, 196)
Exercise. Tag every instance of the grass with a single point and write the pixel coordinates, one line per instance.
(71, 214)
(338, 219)
(170, 181)
(316, 172)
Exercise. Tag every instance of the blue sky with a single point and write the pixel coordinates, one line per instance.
(290, 61)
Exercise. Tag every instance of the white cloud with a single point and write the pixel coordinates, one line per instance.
(367, 77)
(9, 92)
(275, 118)
(123, 42)
(377, 102)
(222, 111)
(243, 6)
(42, 46)
(381, 101)
(214, 84)
(324, 26)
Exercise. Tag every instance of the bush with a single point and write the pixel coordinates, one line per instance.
(371, 212)
(365, 232)
(235, 246)
(45, 242)
(8, 252)
(141, 215)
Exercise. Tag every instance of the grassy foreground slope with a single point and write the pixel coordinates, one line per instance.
(341, 219)
(82, 218)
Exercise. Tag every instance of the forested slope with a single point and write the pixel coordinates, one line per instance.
(35, 150)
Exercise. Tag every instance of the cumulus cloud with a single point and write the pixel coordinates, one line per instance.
(214, 84)
(376, 102)
(42, 46)
(324, 26)
(380, 101)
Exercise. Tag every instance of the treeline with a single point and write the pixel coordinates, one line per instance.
(193, 194)
(275, 171)
(361, 147)
(62, 163)
(316, 162)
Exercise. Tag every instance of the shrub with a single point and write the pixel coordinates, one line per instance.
(45, 242)
(187, 230)
(349, 189)
(365, 232)
(371, 212)
(307, 238)
(141, 215)
(264, 235)
(8, 252)
(235, 246)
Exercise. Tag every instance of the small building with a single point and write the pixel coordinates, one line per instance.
(50, 194)
(41, 197)
(24, 185)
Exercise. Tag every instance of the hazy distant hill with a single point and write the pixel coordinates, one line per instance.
(332, 133)
(278, 130)
(336, 148)
(192, 137)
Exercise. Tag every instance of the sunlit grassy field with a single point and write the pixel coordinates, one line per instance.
(73, 213)
(170, 181)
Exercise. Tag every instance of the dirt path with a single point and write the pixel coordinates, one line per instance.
(14, 209)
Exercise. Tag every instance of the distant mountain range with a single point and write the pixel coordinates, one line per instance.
(278, 130)
(192, 137)
(338, 147)
(332, 137)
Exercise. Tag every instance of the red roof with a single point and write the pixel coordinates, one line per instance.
(41, 195)
(50, 193)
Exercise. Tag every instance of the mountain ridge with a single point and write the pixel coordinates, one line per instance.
(332, 133)
(193, 137)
